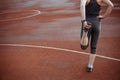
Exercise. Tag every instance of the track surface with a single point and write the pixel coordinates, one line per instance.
(57, 26)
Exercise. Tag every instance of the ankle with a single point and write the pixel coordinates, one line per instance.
(90, 66)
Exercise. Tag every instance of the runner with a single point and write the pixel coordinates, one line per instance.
(90, 12)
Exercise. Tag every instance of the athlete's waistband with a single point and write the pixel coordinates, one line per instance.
(92, 15)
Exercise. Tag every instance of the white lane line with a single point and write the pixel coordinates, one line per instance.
(60, 49)
(28, 16)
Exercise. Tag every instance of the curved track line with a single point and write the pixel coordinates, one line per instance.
(37, 13)
(60, 49)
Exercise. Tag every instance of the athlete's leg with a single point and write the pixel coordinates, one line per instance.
(94, 39)
(88, 35)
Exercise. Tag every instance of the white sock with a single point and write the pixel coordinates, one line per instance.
(90, 65)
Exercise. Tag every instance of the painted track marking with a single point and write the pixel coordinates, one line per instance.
(29, 16)
(60, 49)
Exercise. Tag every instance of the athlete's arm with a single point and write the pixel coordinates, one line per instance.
(82, 9)
(83, 15)
(109, 8)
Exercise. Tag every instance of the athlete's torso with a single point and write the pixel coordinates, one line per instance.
(92, 8)
(98, 1)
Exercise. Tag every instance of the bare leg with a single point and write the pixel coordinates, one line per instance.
(91, 62)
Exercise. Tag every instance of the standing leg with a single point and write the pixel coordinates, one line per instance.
(94, 40)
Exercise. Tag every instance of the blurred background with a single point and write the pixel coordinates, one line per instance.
(46, 4)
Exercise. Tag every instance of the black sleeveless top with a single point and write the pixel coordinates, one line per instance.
(92, 9)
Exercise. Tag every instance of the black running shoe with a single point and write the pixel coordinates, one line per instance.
(89, 69)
